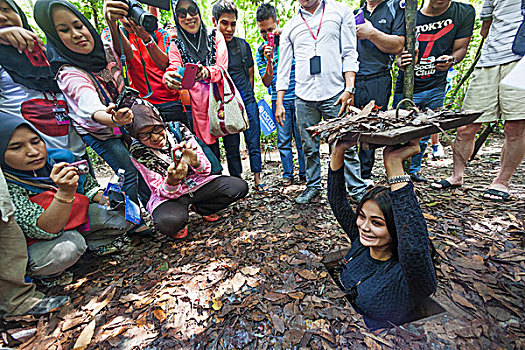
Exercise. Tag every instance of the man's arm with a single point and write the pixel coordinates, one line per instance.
(385, 42)
(348, 41)
(459, 51)
(485, 26)
(250, 73)
(268, 74)
(113, 11)
(159, 57)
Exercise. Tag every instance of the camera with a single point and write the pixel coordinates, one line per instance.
(142, 17)
(82, 167)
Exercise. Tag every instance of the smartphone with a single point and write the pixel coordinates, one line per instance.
(440, 61)
(82, 167)
(271, 39)
(37, 57)
(127, 98)
(176, 155)
(188, 78)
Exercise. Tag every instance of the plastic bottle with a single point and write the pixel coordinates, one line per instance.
(114, 185)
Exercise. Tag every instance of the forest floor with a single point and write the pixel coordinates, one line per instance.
(257, 278)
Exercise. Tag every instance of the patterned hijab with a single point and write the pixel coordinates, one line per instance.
(20, 68)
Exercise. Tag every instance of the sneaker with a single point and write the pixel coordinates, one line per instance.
(417, 177)
(437, 151)
(308, 194)
(302, 179)
(62, 280)
(48, 305)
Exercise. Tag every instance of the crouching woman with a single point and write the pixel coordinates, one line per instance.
(388, 271)
(180, 184)
(53, 202)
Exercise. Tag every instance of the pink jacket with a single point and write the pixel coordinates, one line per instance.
(199, 93)
(162, 192)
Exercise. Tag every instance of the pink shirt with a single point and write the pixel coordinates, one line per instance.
(199, 93)
(162, 192)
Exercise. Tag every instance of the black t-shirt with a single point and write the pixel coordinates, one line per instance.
(436, 38)
(389, 18)
(240, 59)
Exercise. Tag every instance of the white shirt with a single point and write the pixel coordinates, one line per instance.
(6, 205)
(506, 19)
(336, 44)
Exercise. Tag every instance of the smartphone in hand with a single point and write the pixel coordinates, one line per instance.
(271, 39)
(440, 61)
(126, 98)
(37, 57)
(188, 78)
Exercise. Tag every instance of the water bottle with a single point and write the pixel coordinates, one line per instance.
(114, 185)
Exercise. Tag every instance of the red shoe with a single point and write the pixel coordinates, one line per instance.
(211, 218)
(181, 234)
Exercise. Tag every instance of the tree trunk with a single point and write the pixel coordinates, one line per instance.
(410, 44)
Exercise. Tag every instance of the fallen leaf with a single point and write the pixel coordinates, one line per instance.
(84, 339)
(278, 323)
(296, 295)
(216, 304)
(307, 274)
(462, 301)
(159, 315)
(430, 216)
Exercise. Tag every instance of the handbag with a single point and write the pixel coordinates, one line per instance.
(79, 209)
(518, 46)
(226, 112)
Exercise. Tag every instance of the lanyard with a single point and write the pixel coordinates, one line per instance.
(310, 29)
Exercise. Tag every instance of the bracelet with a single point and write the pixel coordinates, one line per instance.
(398, 179)
(62, 200)
(149, 43)
(114, 122)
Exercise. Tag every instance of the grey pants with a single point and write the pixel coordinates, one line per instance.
(52, 257)
(16, 296)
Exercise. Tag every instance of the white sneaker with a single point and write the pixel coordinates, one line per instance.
(437, 151)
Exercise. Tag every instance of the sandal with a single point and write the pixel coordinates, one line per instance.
(261, 188)
(287, 181)
(211, 218)
(181, 234)
(502, 196)
(62, 280)
(444, 185)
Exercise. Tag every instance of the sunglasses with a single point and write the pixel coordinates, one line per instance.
(145, 136)
(183, 12)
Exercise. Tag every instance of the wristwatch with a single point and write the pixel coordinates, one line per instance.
(350, 90)
(454, 60)
(150, 43)
(398, 179)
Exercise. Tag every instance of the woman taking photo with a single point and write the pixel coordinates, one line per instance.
(91, 80)
(194, 44)
(28, 88)
(53, 202)
(388, 270)
(178, 182)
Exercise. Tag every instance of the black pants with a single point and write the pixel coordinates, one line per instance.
(173, 215)
(378, 88)
(173, 112)
(233, 155)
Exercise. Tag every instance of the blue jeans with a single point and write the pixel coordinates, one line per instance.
(285, 134)
(253, 137)
(116, 154)
(433, 98)
(310, 113)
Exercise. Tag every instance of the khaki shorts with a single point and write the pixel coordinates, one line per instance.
(485, 93)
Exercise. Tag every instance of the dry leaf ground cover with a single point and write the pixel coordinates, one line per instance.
(256, 279)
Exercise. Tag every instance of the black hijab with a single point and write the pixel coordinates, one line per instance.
(59, 54)
(20, 68)
(198, 47)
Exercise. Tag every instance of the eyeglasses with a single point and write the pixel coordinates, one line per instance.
(183, 12)
(145, 136)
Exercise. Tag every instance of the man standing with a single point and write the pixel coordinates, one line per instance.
(486, 93)
(241, 70)
(321, 38)
(146, 57)
(267, 57)
(381, 35)
(444, 28)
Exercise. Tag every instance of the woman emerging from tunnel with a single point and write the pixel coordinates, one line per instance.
(388, 271)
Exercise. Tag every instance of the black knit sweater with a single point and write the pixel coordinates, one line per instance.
(389, 290)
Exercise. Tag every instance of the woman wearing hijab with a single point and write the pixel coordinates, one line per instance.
(53, 202)
(91, 80)
(177, 183)
(28, 89)
(194, 44)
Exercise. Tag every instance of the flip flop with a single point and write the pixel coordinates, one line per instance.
(502, 196)
(211, 218)
(261, 188)
(181, 234)
(444, 185)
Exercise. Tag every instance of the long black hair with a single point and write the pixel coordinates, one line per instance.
(381, 195)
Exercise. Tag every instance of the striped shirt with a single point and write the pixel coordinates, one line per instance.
(506, 18)
(261, 65)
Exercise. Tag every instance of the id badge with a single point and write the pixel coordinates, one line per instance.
(315, 65)
(132, 211)
(61, 115)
